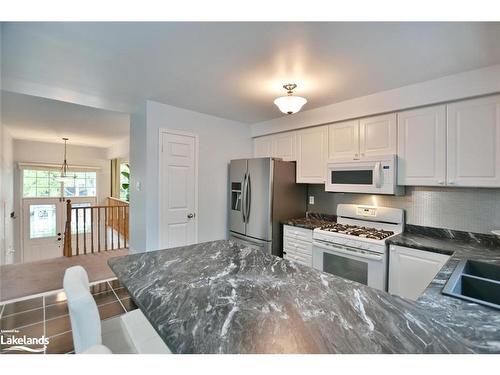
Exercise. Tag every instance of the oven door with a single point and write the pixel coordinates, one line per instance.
(363, 266)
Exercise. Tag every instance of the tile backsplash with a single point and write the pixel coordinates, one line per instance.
(465, 209)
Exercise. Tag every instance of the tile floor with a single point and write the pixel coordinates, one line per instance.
(48, 315)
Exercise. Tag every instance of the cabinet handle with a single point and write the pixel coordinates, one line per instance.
(451, 182)
(355, 155)
(363, 154)
(441, 182)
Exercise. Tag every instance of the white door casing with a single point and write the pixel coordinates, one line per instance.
(178, 188)
(422, 146)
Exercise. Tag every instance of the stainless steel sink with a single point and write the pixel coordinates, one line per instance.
(475, 281)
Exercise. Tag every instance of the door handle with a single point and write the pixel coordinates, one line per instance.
(249, 197)
(243, 198)
(190, 216)
(58, 234)
(377, 172)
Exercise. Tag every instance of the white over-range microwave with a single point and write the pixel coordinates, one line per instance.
(370, 175)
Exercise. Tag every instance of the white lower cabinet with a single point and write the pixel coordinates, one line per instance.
(412, 270)
(297, 245)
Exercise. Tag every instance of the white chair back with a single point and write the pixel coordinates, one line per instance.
(83, 312)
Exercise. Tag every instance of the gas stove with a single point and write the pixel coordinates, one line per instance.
(355, 247)
(355, 230)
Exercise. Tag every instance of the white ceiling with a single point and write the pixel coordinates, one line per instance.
(235, 70)
(40, 119)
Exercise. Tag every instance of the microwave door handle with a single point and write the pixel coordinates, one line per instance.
(377, 172)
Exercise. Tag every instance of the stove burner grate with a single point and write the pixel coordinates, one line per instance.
(355, 230)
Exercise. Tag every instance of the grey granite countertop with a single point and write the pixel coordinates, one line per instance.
(311, 220)
(220, 297)
(478, 325)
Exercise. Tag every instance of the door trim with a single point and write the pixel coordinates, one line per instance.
(161, 216)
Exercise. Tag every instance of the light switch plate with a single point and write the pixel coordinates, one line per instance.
(311, 199)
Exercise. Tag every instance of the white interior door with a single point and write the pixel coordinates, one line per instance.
(178, 189)
(43, 228)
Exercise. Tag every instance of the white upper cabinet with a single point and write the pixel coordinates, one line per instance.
(284, 146)
(378, 135)
(312, 152)
(262, 147)
(280, 145)
(474, 143)
(422, 146)
(343, 140)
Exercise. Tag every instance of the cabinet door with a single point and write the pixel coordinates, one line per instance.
(343, 140)
(422, 146)
(283, 146)
(377, 135)
(312, 146)
(474, 142)
(262, 147)
(412, 270)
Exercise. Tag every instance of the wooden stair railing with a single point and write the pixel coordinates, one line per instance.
(93, 229)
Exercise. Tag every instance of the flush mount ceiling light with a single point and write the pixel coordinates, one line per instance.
(290, 103)
(64, 177)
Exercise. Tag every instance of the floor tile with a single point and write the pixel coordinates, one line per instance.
(21, 306)
(56, 310)
(105, 297)
(21, 319)
(57, 325)
(110, 309)
(122, 293)
(115, 284)
(55, 298)
(60, 344)
(99, 288)
(129, 304)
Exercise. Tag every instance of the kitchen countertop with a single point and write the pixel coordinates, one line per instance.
(479, 325)
(221, 297)
(311, 220)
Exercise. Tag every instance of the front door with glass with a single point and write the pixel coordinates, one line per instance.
(44, 210)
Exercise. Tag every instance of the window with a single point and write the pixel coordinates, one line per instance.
(124, 181)
(84, 185)
(43, 220)
(38, 183)
(42, 184)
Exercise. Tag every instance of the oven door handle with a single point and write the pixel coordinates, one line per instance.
(353, 252)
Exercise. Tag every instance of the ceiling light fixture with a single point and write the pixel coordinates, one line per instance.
(64, 177)
(290, 103)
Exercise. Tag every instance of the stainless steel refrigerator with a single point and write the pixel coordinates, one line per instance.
(263, 192)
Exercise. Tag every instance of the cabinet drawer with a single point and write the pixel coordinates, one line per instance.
(297, 233)
(305, 260)
(297, 246)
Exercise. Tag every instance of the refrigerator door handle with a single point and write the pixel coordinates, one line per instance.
(248, 197)
(243, 198)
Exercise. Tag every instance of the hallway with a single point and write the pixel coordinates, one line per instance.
(27, 279)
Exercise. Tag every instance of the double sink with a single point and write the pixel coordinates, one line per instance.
(475, 281)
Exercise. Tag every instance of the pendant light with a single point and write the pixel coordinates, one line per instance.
(64, 177)
(290, 103)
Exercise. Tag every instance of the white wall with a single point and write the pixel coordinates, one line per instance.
(120, 149)
(220, 140)
(52, 153)
(454, 87)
